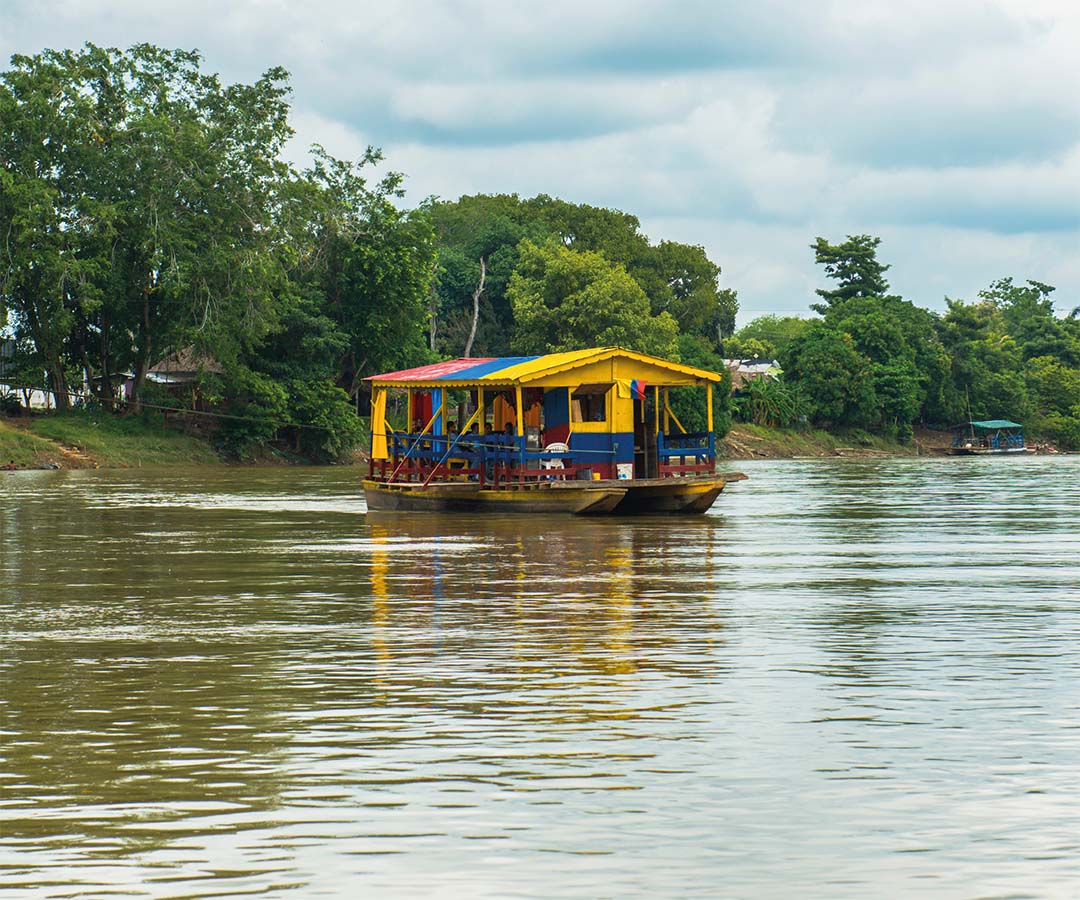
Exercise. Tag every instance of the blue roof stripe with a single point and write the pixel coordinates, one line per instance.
(486, 368)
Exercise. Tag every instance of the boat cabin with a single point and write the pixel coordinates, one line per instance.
(990, 436)
(598, 414)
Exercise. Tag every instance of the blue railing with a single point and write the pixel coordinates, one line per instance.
(701, 445)
(479, 454)
(430, 449)
(500, 455)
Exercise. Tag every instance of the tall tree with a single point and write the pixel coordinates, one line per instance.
(1029, 318)
(834, 376)
(44, 120)
(677, 278)
(907, 364)
(471, 230)
(158, 187)
(854, 266)
(370, 261)
(568, 300)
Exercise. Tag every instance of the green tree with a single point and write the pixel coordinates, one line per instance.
(987, 364)
(854, 266)
(1029, 319)
(690, 291)
(908, 364)
(836, 379)
(677, 278)
(774, 333)
(326, 422)
(477, 239)
(43, 115)
(567, 300)
(355, 304)
(379, 264)
(154, 189)
(1053, 386)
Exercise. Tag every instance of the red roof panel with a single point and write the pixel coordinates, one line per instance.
(433, 372)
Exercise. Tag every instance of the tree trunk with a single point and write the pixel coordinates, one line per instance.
(80, 341)
(54, 367)
(142, 355)
(433, 314)
(88, 373)
(105, 389)
(55, 370)
(476, 308)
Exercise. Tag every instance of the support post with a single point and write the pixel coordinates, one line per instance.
(520, 425)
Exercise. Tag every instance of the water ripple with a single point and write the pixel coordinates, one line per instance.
(851, 678)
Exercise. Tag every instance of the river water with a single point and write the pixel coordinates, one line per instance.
(851, 678)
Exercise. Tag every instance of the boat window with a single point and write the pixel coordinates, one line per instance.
(589, 403)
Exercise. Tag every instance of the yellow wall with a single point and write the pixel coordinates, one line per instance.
(610, 370)
(623, 409)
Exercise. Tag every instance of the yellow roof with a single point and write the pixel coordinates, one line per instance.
(527, 370)
(560, 363)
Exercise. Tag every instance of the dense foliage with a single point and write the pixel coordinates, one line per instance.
(147, 210)
(669, 288)
(876, 361)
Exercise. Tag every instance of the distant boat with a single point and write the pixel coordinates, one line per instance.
(587, 432)
(992, 436)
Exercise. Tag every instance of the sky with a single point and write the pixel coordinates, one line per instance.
(951, 130)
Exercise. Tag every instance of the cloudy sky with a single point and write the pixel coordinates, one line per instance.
(949, 129)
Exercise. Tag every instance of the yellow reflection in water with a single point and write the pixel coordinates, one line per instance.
(380, 602)
(620, 610)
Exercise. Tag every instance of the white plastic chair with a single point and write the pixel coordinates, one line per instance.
(555, 447)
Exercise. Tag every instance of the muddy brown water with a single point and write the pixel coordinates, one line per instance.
(851, 678)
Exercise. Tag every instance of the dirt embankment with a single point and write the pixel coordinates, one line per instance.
(756, 442)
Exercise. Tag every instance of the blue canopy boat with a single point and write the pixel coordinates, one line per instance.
(992, 436)
(586, 432)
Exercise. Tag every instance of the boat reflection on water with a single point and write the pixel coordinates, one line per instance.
(606, 592)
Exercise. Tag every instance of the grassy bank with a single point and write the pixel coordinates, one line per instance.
(89, 440)
(26, 450)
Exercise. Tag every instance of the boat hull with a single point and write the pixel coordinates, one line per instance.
(984, 451)
(660, 496)
(670, 496)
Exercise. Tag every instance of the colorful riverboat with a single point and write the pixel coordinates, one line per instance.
(989, 437)
(588, 432)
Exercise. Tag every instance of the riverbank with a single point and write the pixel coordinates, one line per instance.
(757, 442)
(87, 441)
